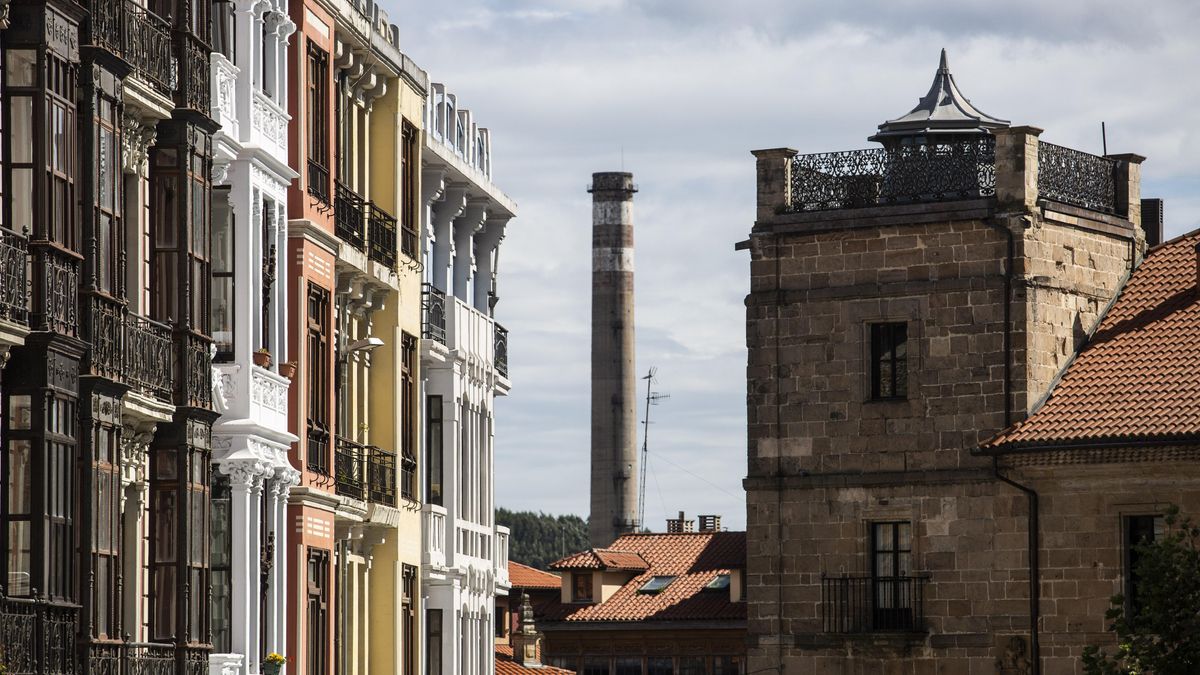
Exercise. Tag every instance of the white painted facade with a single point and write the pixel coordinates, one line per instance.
(465, 563)
(249, 235)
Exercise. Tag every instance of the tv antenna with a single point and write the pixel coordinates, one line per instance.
(652, 398)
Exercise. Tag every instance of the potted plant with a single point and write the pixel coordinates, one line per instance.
(273, 663)
(288, 370)
(262, 358)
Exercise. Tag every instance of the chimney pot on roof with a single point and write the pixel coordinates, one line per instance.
(680, 524)
(710, 523)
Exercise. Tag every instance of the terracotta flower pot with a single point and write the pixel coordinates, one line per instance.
(262, 359)
(288, 370)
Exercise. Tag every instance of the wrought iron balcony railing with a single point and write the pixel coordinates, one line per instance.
(382, 236)
(381, 475)
(408, 241)
(105, 333)
(147, 47)
(37, 638)
(433, 308)
(318, 449)
(106, 25)
(14, 277)
(197, 375)
(902, 175)
(194, 86)
(348, 468)
(348, 220)
(55, 290)
(147, 658)
(867, 604)
(318, 182)
(1077, 178)
(149, 366)
(500, 351)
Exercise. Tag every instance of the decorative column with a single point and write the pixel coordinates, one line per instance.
(245, 479)
(135, 493)
(454, 201)
(465, 228)
(285, 479)
(487, 251)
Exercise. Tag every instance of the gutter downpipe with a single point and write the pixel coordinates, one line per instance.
(1031, 494)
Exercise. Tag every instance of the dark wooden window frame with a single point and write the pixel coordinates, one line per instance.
(891, 560)
(317, 612)
(1136, 529)
(434, 428)
(318, 376)
(408, 615)
(889, 360)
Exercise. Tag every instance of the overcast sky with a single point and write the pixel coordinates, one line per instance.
(679, 92)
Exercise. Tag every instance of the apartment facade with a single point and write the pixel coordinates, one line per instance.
(908, 303)
(357, 108)
(107, 474)
(251, 439)
(463, 367)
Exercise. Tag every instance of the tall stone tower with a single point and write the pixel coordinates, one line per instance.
(614, 412)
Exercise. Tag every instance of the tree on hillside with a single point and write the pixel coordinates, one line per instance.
(538, 539)
(1162, 635)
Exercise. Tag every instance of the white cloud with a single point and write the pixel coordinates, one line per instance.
(684, 90)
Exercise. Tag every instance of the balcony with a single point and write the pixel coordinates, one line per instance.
(317, 449)
(408, 476)
(131, 658)
(868, 604)
(318, 182)
(901, 175)
(147, 47)
(197, 376)
(37, 637)
(147, 350)
(14, 279)
(365, 472)
(434, 530)
(1077, 178)
(408, 241)
(348, 469)
(500, 350)
(348, 218)
(105, 332)
(382, 236)
(433, 313)
(55, 290)
(106, 25)
(941, 172)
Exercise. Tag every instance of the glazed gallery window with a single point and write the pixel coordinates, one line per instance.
(318, 612)
(582, 587)
(891, 575)
(409, 166)
(106, 531)
(109, 233)
(317, 99)
(221, 618)
(223, 296)
(1139, 530)
(18, 484)
(408, 407)
(433, 449)
(889, 361)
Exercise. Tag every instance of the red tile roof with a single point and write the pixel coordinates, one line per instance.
(693, 558)
(506, 666)
(1138, 377)
(601, 559)
(524, 576)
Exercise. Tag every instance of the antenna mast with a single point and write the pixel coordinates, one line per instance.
(652, 398)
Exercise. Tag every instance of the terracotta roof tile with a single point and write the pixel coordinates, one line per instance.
(1137, 378)
(602, 559)
(524, 576)
(694, 559)
(506, 666)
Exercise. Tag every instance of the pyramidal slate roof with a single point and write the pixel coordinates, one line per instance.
(944, 110)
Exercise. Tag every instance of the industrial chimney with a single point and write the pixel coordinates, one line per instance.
(614, 414)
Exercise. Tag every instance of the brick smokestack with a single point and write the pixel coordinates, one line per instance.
(614, 396)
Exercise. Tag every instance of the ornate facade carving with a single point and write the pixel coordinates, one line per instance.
(136, 140)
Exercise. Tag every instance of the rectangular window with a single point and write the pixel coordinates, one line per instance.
(889, 361)
(691, 665)
(106, 533)
(408, 615)
(593, 665)
(1138, 530)
(318, 612)
(318, 379)
(582, 585)
(726, 665)
(222, 565)
(627, 665)
(433, 449)
(433, 642)
(659, 665)
(408, 406)
(223, 297)
(893, 585)
(409, 166)
(317, 95)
